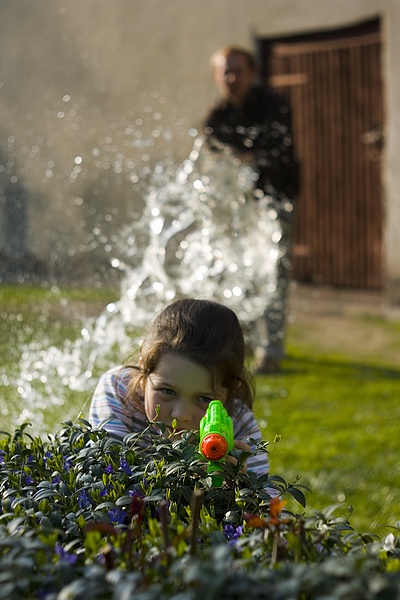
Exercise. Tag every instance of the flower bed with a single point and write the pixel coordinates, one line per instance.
(85, 516)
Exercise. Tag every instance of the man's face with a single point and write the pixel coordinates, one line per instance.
(233, 76)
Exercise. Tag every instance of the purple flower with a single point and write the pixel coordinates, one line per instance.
(30, 459)
(232, 533)
(56, 479)
(1, 456)
(158, 510)
(29, 480)
(109, 469)
(117, 516)
(83, 499)
(67, 464)
(135, 494)
(46, 456)
(104, 492)
(64, 555)
(124, 466)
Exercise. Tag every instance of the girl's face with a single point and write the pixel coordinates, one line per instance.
(182, 389)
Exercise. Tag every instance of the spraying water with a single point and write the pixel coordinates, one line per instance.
(201, 234)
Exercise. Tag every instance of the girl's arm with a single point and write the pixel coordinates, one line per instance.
(107, 404)
(245, 427)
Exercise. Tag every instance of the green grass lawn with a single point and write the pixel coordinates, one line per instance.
(31, 319)
(337, 416)
(339, 425)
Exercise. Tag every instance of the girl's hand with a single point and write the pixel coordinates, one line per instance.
(242, 447)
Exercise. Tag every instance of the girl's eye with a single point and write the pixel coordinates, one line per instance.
(204, 400)
(166, 391)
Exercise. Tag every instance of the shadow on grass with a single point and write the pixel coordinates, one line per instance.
(295, 365)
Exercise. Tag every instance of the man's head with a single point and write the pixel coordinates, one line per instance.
(233, 71)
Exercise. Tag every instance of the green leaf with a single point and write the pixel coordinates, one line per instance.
(105, 506)
(297, 495)
(123, 501)
(45, 494)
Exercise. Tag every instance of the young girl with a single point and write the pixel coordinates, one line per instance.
(194, 353)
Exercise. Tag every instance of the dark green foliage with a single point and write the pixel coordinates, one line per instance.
(87, 517)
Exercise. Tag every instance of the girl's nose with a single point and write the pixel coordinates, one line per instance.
(230, 78)
(181, 411)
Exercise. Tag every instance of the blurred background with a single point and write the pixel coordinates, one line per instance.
(96, 97)
(101, 103)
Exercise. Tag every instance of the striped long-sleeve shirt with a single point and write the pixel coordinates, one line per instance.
(109, 403)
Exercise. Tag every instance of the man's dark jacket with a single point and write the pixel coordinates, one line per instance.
(261, 125)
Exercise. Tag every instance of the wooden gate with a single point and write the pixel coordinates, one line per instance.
(333, 83)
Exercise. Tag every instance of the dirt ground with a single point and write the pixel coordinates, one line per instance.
(352, 322)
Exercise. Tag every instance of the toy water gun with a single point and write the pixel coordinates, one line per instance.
(216, 439)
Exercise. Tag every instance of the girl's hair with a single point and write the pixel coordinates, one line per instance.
(205, 332)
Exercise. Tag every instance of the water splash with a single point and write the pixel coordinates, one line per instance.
(201, 234)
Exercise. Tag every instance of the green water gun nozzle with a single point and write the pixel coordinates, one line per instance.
(216, 439)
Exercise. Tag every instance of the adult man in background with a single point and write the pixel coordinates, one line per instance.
(255, 123)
